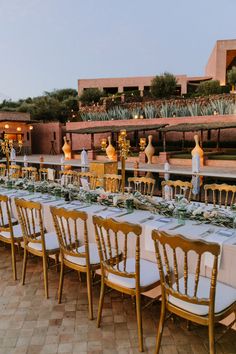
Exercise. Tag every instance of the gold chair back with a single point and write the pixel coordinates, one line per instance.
(2, 169)
(71, 229)
(221, 194)
(144, 185)
(29, 172)
(179, 187)
(70, 176)
(91, 178)
(180, 287)
(6, 214)
(6, 225)
(112, 183)
(14, 171)
(113, 246)
(43, 174)
(166, 253)
(31, 221)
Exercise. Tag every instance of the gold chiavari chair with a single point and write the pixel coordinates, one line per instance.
(29, 172)
(10, 230)
(144, 185)
(36, 240)
(91, 178)
(222, 194)
(70, 176)
(179, 187)
(46, 174)
(120, 269)
(191, 296)
(75, 250)
(14, 171)
(2, 170)
(112, 183)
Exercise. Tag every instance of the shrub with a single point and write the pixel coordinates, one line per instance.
(163, 85)
(91, 95)
(231, 77)
(209, 88)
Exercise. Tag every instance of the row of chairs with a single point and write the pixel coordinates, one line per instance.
(185, 294)
(218, 194)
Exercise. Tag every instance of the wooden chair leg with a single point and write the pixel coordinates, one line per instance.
(57, 262)
(13, 259)
(160, 327)
(211, 333)
(101, 300)
(24, 265)
(139, 321)
(90, 297)
(61, 282)
(45, 275)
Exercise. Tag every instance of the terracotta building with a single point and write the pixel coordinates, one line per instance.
(17, 127)
(222, 58)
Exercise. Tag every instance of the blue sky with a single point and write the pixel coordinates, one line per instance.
(49, 44)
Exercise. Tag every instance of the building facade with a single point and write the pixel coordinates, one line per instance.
(222, 58)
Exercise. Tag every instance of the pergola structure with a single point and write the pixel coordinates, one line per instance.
(115, 129)
(196, 127)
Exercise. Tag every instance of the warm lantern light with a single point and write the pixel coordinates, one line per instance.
(6, 126)
(18, 129)
(142, 143)
(31, 127)
(103, 144)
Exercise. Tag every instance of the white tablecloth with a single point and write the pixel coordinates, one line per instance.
(191, 229)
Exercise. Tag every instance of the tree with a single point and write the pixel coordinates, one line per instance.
(90, 95)
(163, 85)
(209, 88)
(231, 77)
(58, 105)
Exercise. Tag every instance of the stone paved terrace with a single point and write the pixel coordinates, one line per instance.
(30, 324)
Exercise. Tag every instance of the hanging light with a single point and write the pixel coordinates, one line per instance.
(6, 126)
(31, 127)
(18, 129)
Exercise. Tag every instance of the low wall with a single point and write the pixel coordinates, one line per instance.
(79, 141)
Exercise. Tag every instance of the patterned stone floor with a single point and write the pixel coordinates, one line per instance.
(31, 324)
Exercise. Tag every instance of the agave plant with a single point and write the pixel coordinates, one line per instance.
(221, 106)
(194, 109)
(118, 112)
(150, 111)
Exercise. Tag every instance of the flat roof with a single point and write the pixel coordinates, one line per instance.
(116, 128)
(191, 127)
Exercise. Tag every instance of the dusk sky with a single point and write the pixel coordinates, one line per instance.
(50, 44)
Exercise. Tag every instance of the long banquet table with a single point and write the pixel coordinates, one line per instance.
(148, 221)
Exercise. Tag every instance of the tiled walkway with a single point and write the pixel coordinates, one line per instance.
(31, 324)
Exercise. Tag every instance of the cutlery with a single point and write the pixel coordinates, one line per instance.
(126, 213)
(82, 207)
(176, 227)
(207, 232)
(100, 210)
(146, 219)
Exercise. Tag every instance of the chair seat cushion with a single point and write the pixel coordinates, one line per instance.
(17, 232)
(225, 295)
(149, 274)
(93, 254)
(51, 242)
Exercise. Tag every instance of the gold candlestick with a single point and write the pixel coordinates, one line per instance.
(124, 147)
